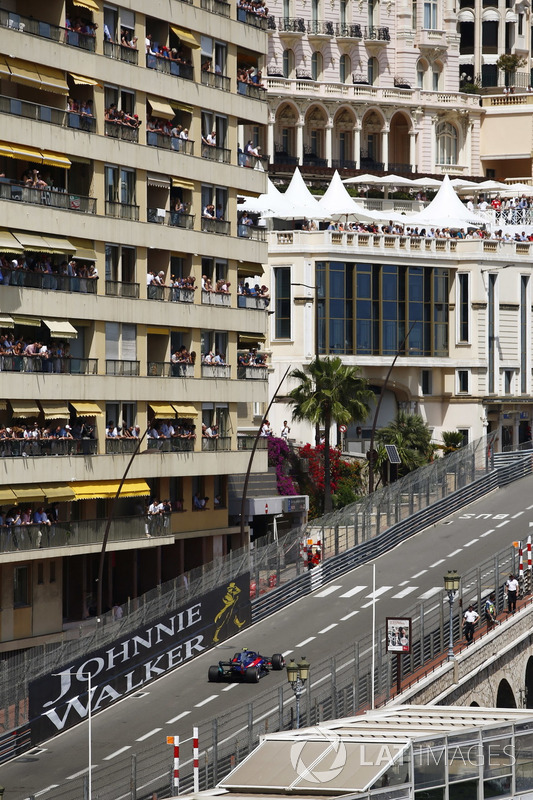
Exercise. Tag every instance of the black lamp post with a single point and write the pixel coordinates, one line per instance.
(297, 675)
(452, 582)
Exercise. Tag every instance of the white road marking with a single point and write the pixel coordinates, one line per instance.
(491, 530)
(329, 628)
(517, 515)
(355, 590)
(306, 641)
(404, 592)
(365, 605)
(451, 555)
(287, 653)
(207, 700)
(529, 508)
(118, 752)
(436, 564)
(329, 590)
(81, 772)
(403, 583)
(468, 544)
(418, 574)
(175, 719)
(381, 590)
(230, 687)
(43, 791)
(505, 522)
(430, 593)
(147, 735)
(351, 614)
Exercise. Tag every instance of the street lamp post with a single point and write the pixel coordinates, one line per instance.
(451, 585)
(297, 675)
(89, 676)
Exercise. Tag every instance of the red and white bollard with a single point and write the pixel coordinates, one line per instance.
(195, 765)
(175, 741)
(520, 562)
(529, 553)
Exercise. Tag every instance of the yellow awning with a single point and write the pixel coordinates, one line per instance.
(178, 183)
(23, 72)
(28, 153)
(81, 80)
(182, 107)
(162, 410)
(53, 80)
(8, 243)
(185, 36)
(250, 270)
(248, 338)
(60, 245)
(158, 331)
(4, 69)
(25, 408)
(184, 411)
(61, 328)
(33, 243)
(6, 150)
(90, 5)
(56, 160)
(87, 409)
(55, 410)
(6, 321)
(29, 493)
(32, 322)
(59, 494)
(84, 248)
(89, 490)
(160, 108)
(7, 495)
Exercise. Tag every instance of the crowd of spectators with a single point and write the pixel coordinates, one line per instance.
(216, 359)
(256, 7)
(252, 359)
(119, 117)
(222, 286)
(180, 359)
(15, 272)
(127, 37)
(177, 55)
(251, 76)
(244, 288)
(21, 355)
(420, 232)
(79, 25)
(28, 524)
(178, 429)
(156, 284)
(82, 107)
(165, 128)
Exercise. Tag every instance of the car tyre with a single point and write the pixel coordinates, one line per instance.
(213, 675)
(278, 662)
(252, 675)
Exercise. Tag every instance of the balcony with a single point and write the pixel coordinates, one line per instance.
(128, 369)
(249, 301)
(214, 153)
(251, 90)
(155, 139)
(345, 31)
(53, 116)
(176, 444)
(216, 371)
(35, 27)
(343, 164)
(116, 130)
(45, 280)
(251, 232)
(216, 226)
(119, 446)
(252, 373)
(178, 220)
(168, 67)
(255, 20)
(166, 369)
(216, 7)
(318, 29)
(121, 289)
(293, 27)
(171, 294)
(121, 210)
(30, 448)
(55, 198)
(214, 444)
(216, 81)
(57, 366)
(371, 33)
(246, 442)
(216, 299)
(121, 53)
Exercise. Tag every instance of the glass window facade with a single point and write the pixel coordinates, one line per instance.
(282, 277)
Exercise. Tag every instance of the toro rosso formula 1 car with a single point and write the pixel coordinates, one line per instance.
(247, 666)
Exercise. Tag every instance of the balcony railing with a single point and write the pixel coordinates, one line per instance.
(216, 371)
(45, 30)
(48, 114)
(250, 90)
(55, 365)
(169, 67)
(320, 28)
(252, 373)
(121, 210)
(211, 444)
(343, 163)
(118, 51)
(119, 446)
(176, 444)
(166, 369)
(216, 7)
(123, 368)
(121, 289)
(216, 298)
(255, 20)
(215, 80)
(249, 301)
(216, 226)
(371, 32)
(117, 131)
(214, 153)
(246, 442)
(172, 294)
(55, 198)
(26, 448)
(287, 25)
(251, 232)
(253, 162)
(178, 220)
(344, 31)
(45, 280)
(155, 139)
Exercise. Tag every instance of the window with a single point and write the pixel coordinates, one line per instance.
(520, 24)
(120, 263)
(371, 13)
(524, 331)
(466, 435)
(21, 587)
(316, 66)
(120, 341)
(426, 382)
(436, 79)
(463, 307)
(446, 143)
(344, 68)
(372, 71)
(463, 381)
(343, 10)
(420, 74)
(315, 10)
(286, 10)
(286, 63)
(430, 14)
(508, 375)
(282, 279)
(413, 14)
(110, 24)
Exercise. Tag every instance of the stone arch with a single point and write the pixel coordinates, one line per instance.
(287, 118)
(316, 119)
(344, 122)
(505, 697)
(371, 139)
(399, 149)
(474, 704)
(528, 682)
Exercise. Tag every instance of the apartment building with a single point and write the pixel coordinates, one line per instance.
(466, 304)
(121, 127)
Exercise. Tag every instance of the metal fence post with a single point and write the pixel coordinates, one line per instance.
(133, 778)
(356, 676)
(85, 787)
(334, 699)
(250, 727)
(421, 616)
(280, 708)
(214, 737)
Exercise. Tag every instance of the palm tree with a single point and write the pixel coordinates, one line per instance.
(412, 438)
(329, 392)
